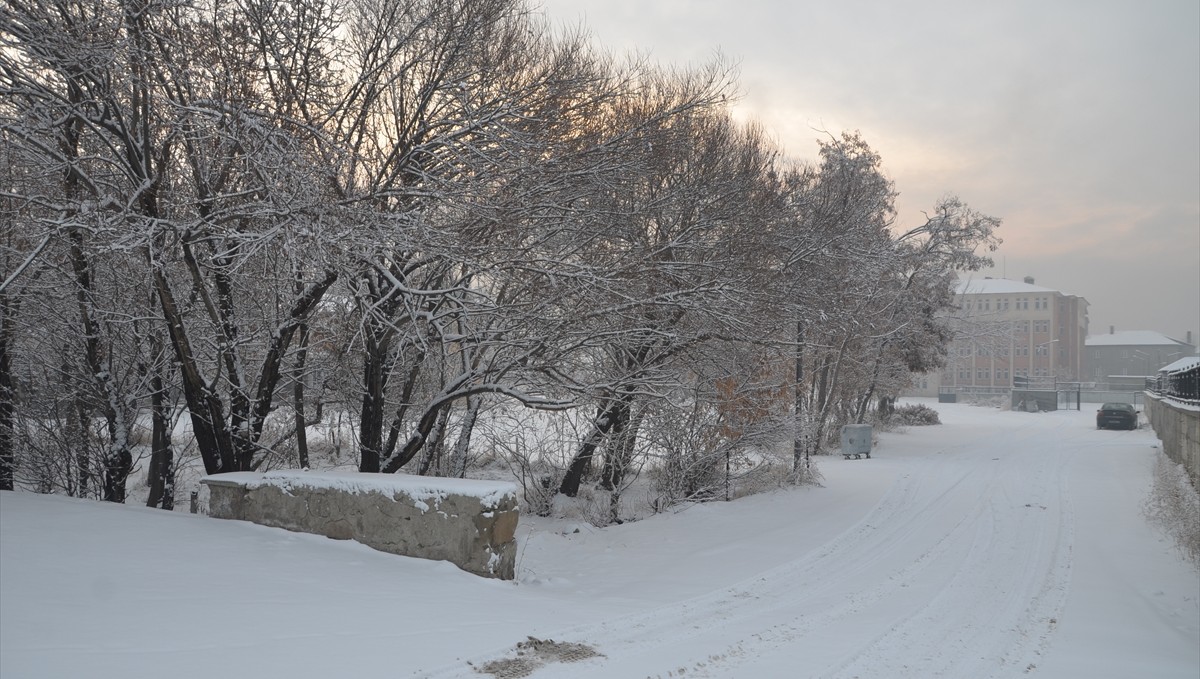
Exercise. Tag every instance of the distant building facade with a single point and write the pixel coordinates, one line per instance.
(1132, 353)
(1009, 329)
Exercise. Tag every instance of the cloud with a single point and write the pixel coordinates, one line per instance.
(1076, 121)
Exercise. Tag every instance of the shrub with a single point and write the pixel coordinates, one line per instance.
(1175, 506)
(916, 415)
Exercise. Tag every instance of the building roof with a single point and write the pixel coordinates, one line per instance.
(1130, 338)
(1182, 364)
(997, 286)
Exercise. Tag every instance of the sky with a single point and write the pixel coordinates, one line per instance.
(931, 559)
(1075, 122)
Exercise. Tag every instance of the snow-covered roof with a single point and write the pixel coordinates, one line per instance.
(1127, 338)
(1182, 364)
(997, 286)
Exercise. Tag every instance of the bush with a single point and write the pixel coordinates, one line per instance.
(916, 415)
(1175, 506)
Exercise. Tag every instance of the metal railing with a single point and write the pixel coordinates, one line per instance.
(1178, 385)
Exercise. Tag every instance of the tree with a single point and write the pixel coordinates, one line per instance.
(671, 246)
(929, 258)
(831, 246)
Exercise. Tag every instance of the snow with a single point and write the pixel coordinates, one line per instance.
(1131, 338)
(998, 544)
(1181, 364)
(420, 488)
(997, 286)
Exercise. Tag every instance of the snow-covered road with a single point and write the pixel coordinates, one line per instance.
(961, 570)
(996, 545)
(984, 554)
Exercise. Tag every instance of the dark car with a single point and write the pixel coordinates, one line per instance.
(1117, 416)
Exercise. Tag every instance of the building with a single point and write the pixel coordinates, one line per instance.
(1131, 353)
(1007, 329)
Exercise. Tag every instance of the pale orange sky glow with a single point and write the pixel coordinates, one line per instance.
(1077, 122)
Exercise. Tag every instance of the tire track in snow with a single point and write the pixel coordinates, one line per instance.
(995, 616)
(880, 562)
(944, 636)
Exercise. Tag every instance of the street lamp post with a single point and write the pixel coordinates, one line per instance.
(1050, 362)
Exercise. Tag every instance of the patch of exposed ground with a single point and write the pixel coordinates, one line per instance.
(534, 653)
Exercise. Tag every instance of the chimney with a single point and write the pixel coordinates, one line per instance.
(1189, 337)
(1112, 329)
(1029, 280)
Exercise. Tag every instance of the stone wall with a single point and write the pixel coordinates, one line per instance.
(1178, 427)
(472, 524)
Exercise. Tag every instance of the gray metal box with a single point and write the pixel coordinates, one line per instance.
(856, 440)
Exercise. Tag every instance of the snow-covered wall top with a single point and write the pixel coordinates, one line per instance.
(1130, 338)
(419, 488)
(1181, 364)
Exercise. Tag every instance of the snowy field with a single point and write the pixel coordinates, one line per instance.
(996, 545)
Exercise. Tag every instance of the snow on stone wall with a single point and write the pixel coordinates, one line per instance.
(467, 522)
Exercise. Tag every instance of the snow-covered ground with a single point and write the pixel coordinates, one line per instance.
(997, 545)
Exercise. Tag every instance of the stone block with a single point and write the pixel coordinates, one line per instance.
(470, 523)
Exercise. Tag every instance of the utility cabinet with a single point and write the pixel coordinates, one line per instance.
(856, 441)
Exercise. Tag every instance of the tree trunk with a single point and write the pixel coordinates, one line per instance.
(8, 457)
(433, 448)
(116, 472)
(370, 424)
(622, 445)
(799, 449)
(271, 371)
(204, 406)
(405, 400)
(458, 460)
(77, 430)
(861, 414)
(606, 417)
(887, 407)
(298, 398)
(619, 451)
(162, 456)
(419, 439)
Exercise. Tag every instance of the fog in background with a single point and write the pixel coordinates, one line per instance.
(1078, 123)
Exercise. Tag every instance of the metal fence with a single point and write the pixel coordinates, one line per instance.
(1181, 385)
(1047, 394)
